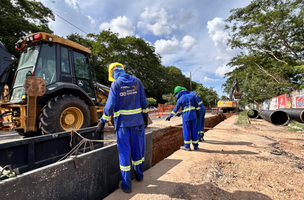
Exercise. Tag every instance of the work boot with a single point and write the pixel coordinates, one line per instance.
(184, 148)
(126, 191)
(201, 139)
(140, 180)
(195, 148)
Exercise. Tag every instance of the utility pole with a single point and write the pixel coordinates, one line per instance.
(190, 82)
(191, 78)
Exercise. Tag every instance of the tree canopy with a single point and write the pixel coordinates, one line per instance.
(272, 34)
(21, 17)
(139, 59)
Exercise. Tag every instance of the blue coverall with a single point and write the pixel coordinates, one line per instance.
(202, 113)
(128, 100)
(189, 108)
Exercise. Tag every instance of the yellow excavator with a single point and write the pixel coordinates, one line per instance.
(53, 89)
(230, 105)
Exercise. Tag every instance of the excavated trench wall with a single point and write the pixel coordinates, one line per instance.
(168, 140)
(92, 175)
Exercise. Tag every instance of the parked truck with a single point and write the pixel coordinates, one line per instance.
(53, 88)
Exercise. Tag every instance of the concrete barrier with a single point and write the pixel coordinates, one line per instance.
(91, 175)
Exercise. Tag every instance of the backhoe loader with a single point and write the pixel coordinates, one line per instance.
(53, 88)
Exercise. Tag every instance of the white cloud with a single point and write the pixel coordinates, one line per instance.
(121, 25)
(159, 29)
(73, 4)
(220, 38)
(167, 46)
(206, 79)
(188, 42)
(223, 69)
(91, 19)
(156, 22)
(160, 17)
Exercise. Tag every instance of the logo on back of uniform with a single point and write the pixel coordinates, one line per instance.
(122, 94)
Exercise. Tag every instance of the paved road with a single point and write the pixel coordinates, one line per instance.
(9, 136)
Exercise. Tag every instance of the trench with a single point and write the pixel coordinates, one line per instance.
(168, 140)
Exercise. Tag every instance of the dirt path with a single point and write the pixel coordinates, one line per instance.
(262, 161)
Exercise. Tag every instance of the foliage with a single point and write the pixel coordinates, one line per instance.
(139, 59)
(151, 101)
(272, 33)
(21, 17)
(295, 126)
(242, 119)
(170, 98)
(207, 95)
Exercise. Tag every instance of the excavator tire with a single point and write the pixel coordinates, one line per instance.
(63, 113)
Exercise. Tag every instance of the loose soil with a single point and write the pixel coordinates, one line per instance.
(260, 161)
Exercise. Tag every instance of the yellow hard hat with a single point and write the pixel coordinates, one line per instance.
(111, 69)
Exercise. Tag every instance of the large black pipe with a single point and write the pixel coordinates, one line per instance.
(259, 116)
(277, 117)
(295, 113)
(252, 113)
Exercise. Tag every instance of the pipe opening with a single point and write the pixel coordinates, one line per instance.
(252, 113)
(279, 118)
(302, 116)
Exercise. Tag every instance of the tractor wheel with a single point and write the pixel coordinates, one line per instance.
(63, 113)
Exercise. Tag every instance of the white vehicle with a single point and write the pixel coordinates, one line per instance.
(153, 109)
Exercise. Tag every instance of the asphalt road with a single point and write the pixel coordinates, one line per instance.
(9, 136)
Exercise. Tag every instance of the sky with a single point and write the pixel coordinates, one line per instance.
(188, 34)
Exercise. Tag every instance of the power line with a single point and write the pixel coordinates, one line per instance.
(69, 22)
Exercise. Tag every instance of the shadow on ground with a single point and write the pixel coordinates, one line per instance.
(227, 143)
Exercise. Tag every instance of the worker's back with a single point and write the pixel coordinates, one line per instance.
(189, 105)
(130, 101)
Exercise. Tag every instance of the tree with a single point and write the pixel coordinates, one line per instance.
(272, 33)
(207, 95)
(151, 101)
(170, 98)
(139, 59)
(21, 17)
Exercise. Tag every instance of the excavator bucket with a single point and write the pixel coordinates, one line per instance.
(237, 95)
(6, 63)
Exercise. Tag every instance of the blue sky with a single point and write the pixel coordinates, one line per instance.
(188, 34)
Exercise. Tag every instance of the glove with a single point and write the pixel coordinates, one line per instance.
(178, 114)
(168, 118)
(146, 121)
(100, 127)
(197, 115)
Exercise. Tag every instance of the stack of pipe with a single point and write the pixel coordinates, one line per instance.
(276, 117)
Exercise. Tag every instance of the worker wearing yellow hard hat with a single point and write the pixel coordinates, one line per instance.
(128, 101)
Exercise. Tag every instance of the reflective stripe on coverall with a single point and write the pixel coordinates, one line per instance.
(128, 100)
(202, 112)
(189, 108)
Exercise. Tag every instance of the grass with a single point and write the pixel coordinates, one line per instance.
(242, 120)
(295, 126)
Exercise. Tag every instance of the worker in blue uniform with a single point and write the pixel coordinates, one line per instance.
(190, 110)
(127, 100)
(202, 113)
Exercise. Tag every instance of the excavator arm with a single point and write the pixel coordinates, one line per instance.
(237, 94)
